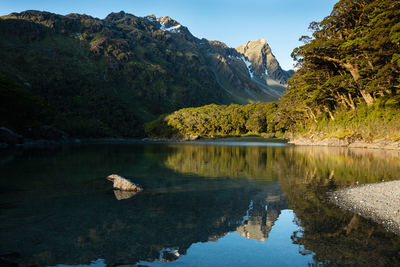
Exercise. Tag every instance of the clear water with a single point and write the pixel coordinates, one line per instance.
(228, 203)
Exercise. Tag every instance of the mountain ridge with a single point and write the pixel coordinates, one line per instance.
(84, 66)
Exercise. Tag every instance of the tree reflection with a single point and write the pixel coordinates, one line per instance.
(305, 175)
(193, 193)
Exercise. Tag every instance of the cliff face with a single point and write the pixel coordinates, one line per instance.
(264, 65)
(104, 77)
(231, 70)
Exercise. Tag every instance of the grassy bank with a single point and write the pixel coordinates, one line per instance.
(365, 122)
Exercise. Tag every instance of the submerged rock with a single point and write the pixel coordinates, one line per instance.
(123, 184)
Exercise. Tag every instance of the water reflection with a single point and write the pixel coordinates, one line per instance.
(58, 208)
(264, 209)
(305, 174)
(120, 195)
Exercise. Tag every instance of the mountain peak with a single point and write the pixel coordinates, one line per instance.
(116, 16)
(168, 22)
(260, 41)
(264, 64)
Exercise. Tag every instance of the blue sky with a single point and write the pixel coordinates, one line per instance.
(281, 22)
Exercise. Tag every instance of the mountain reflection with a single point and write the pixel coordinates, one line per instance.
(73, 217)
(193, 193)
(264, 209)
(305, 175)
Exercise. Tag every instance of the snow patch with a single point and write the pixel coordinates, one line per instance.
(173, 29)
(151, 19)
(234, 57)
(248, 64)
(246, 217)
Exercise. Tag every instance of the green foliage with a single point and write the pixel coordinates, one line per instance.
(105, 77)
(160, 128)
(19, 108)
(94, 77)
(351, 60)
(216, 120)
(367, 122)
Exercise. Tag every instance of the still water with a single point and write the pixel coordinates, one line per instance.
(224, 203)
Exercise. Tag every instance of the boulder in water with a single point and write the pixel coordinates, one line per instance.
(123, 184)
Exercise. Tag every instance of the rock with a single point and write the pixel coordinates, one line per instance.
(263, 62)
(47, 133)
(169, 254)
(123, 184)
(9, 137)
(191, 138)
(194, 137)
(363, 200)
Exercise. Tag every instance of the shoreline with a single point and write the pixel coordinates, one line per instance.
(220, 138)
(51, 144)
(381, 143)
(379, 202)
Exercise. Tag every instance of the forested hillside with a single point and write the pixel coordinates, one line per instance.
(103, 77)
(106, 77)
(216, 121)
(347, 81)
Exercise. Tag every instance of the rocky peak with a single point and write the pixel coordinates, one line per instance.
(168, 21)
(168, 24)
(151, 17)
(263, 63)
(117, 16)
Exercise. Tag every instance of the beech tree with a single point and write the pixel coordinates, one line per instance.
(352, 57)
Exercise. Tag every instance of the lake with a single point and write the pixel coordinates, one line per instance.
(209, 203)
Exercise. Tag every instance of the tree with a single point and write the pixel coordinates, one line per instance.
(353, 57)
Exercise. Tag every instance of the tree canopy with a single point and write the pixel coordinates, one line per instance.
(352, 58)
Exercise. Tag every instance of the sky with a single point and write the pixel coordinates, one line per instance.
(280, 22)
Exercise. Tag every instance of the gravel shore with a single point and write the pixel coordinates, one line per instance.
(379, 202)
(346, 142)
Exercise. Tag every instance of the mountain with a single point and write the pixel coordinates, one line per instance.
(106, 77)
(264, 67)
(231, 73)
(264, 210)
